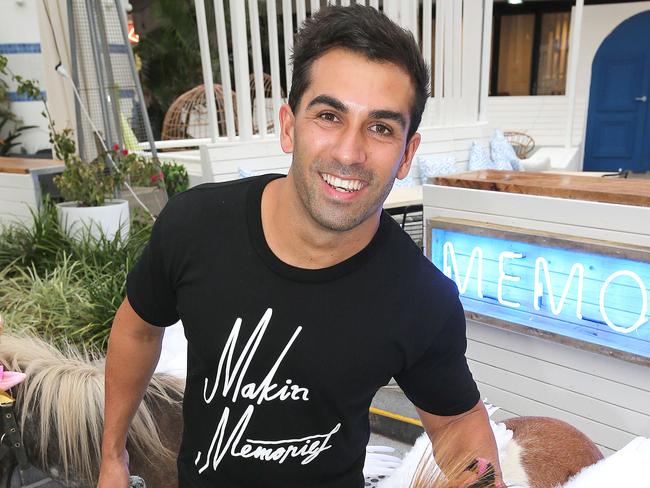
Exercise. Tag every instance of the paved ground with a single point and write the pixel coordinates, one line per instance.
(391, 432)
(401, 448)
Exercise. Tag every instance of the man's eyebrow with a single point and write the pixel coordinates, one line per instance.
(331, 101)
(341, 107)
(390, 115)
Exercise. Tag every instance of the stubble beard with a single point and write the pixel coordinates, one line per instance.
(330, 215)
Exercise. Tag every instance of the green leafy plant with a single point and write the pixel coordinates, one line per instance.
(5, 105)
(9, 142)
(62, 289)
(176, 178)
(88, 184)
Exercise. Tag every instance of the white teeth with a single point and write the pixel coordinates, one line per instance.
(339, 184)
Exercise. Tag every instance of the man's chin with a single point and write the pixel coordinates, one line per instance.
(342, 221)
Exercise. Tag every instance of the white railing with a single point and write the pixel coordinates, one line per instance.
(460, 52)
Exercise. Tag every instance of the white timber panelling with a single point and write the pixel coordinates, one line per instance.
(592, 220)
(543, 117)
(607, 398)
(17, 197)
(604, 397)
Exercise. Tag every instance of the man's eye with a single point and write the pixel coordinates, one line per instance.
(381, 129)
(328, 117)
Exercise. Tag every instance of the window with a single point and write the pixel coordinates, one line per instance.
(530, 47)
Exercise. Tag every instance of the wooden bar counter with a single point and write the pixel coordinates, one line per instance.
(578, 186)
(553, 270)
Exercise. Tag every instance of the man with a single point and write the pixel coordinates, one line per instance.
(298, 296)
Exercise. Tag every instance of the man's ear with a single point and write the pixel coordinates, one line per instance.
(407, 159)
(287, 123)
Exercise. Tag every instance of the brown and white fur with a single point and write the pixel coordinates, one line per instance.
(535, 452)
(60, 413)
(549, 451)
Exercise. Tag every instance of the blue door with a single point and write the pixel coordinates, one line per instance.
(618, 122)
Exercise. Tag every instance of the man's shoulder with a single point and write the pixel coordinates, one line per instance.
(207, 198)
(207, 191)
(418, 274)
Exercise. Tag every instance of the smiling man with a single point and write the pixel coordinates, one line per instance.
(299, 297)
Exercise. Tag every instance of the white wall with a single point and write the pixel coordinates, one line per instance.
(545, 117)
(598, 22)
(20, 26)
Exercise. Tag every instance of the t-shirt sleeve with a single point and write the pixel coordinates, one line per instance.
(440, 381)
(150, 285)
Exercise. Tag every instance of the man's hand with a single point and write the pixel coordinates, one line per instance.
(114, 471)
(136, 343)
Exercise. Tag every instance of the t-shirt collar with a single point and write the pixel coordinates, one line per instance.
(259, 243)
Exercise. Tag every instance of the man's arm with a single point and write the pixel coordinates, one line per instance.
(133, 352)
(466, 435)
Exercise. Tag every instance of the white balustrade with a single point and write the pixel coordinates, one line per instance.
(287, 23)
(224, 67)
(241, 72)
(301, 13)
(458, 56)
(206, 66)
(274, 56)
(258, 70)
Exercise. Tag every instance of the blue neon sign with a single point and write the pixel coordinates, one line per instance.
(599, 298)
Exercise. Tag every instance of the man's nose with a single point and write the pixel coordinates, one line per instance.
(350, 148)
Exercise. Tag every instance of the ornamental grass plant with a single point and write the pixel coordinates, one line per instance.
(64, 290)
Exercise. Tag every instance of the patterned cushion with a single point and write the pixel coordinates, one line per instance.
(501, 150)
(439, 165)
(247, 173)
(480, 159)
(409, 180)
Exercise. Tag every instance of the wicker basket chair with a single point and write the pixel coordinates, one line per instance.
(187, 117)
(268, 96)
(521, 142)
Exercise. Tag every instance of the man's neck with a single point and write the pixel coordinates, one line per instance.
(296, 239)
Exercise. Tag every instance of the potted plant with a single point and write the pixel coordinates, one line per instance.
(89, 188)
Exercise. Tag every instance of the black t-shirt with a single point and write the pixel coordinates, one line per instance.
(283, 362)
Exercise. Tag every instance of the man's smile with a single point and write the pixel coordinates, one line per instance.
(342, 184)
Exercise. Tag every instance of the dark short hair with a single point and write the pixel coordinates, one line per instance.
(365, 31)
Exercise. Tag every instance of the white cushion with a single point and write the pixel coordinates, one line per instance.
(536, 163)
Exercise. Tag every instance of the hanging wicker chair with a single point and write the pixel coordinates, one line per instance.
(187, 117)
(521, 142)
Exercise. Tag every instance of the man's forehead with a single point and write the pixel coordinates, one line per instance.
(359, 83)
